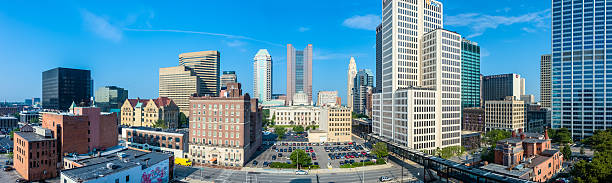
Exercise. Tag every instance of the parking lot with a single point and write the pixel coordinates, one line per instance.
(322, 154)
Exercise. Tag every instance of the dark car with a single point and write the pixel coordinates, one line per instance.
(21, 180)
(254, 163)
(7, 168)
(8, 162)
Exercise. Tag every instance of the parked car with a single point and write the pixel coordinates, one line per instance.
(385, 179)
(301, 172)
(7, 168)
(254, 163)
(21, 180)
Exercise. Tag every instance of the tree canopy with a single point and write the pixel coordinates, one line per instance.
(298, 129)
(183, 121)
(450, 151)
(495, 135)
(600, 169)
(34, 120)
(562, 135)
(280, 131)
(304, 159)
(567, 152)
(160, 124)
(380, 149)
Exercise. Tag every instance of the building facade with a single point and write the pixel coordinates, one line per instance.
(336, 121)
(35, 154)
(421, 76)
(363, 86)
(157, 140)
(296, 115)
(82, 129)
(350, 86)
(537, 118)
(299, 72)
(178, 84)
(506, 114)
(470, 74)
(378, 59)
(545, 80)
(262, 76)
(110, 97)
(497, 87)
(62, 86)
(205, 65)
(228, 77)
(473, 119)
(581, 98)
(225, 130)
(327, 98)
(145, 112)
(8, 123)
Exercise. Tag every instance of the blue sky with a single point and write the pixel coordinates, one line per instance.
(125, 43)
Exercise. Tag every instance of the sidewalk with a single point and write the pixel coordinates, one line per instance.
(318, 171)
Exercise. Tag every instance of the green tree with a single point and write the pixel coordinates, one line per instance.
(298, 129)
(300, 158)
(561, 135)
(280, 131)
(380, 149)
(495, 135)
(160, 124)
(183, 120)
(450, 151)
(600, 141)
(16, 115)
(12, 133)
(567, 152)
(582, 150)
(34, 120)
(600, 169)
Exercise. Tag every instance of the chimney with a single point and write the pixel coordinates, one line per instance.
(522, 136)
(513, 133)
(520, 130)
(546, 133)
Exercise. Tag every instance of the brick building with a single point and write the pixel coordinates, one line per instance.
(35, 154)
(157, 140)
(473, 119)
(336, 121)
(145, 112)
(82, 129)
(224, 130)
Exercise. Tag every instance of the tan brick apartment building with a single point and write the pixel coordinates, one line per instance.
(224, 130)
(35, 154)
(336, 121)
(145, 112)
(157, 140)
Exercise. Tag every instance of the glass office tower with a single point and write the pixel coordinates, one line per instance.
(62, 86)
(470, 74)
(581, 95)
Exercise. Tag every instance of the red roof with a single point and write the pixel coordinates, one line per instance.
(159, 102)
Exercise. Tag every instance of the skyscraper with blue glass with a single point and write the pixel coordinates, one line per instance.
(581, 87)
(470, 74)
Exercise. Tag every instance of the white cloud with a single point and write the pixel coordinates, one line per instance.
(204, 33)
(366, 22)
(234, 43)
(101, 26)
(303, 29)
(479, 23)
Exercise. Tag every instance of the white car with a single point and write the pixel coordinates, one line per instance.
(385, 179)
(301, 172)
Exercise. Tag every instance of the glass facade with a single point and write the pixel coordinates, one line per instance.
(62, 86)
(470, 74)
(299, 71)
(581, 83)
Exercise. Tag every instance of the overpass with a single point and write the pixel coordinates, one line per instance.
(443, 167)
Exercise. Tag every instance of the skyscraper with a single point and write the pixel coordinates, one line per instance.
(262, 76)
(545, 71)
(228, 77)
(362, 84)
(378, 58)
(352, 71)
(62, 86)
(421, 76)
(178, 83)
(470, 74)
(110, 97)
(299, 72)
(498, 87)
(581, 98)
(205, 65)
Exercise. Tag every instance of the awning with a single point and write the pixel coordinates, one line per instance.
(213, 160)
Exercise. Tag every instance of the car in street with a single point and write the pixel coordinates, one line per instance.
(385, 179)
(7, 168)
(21, 180)
(254, 163)
(301, 172)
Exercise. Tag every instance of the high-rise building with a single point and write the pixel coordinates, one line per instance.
(545, 71)
(352, 72)
(470, 74)
(581, 93)
(228, 77)
(378, 58)
(262, 76)
(206, 65)
(327, 98)
(507, 114)
(420, 103)
(62, 86)
(363, 83)
(299, 72)
(110, 97)
(178, 83)
(498, 87)
(225, 140)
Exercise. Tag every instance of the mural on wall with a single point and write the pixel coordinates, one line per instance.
(156, 175)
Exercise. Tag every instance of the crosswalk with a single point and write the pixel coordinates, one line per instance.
(225, 176)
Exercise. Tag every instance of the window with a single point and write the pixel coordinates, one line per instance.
(116, 180)
(127, 178)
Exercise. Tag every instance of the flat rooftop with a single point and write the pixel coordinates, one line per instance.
(32, 136)
(500, 169)
(125, 159)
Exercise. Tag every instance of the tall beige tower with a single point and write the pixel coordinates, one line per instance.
(178, 83)
(352, 72)
(206, 65)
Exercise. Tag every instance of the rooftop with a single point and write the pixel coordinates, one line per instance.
(170, 130)
(517, 172)
(7, 117)
(32, 136)
(125, 159)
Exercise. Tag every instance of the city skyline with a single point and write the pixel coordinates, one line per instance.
(330, 54)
